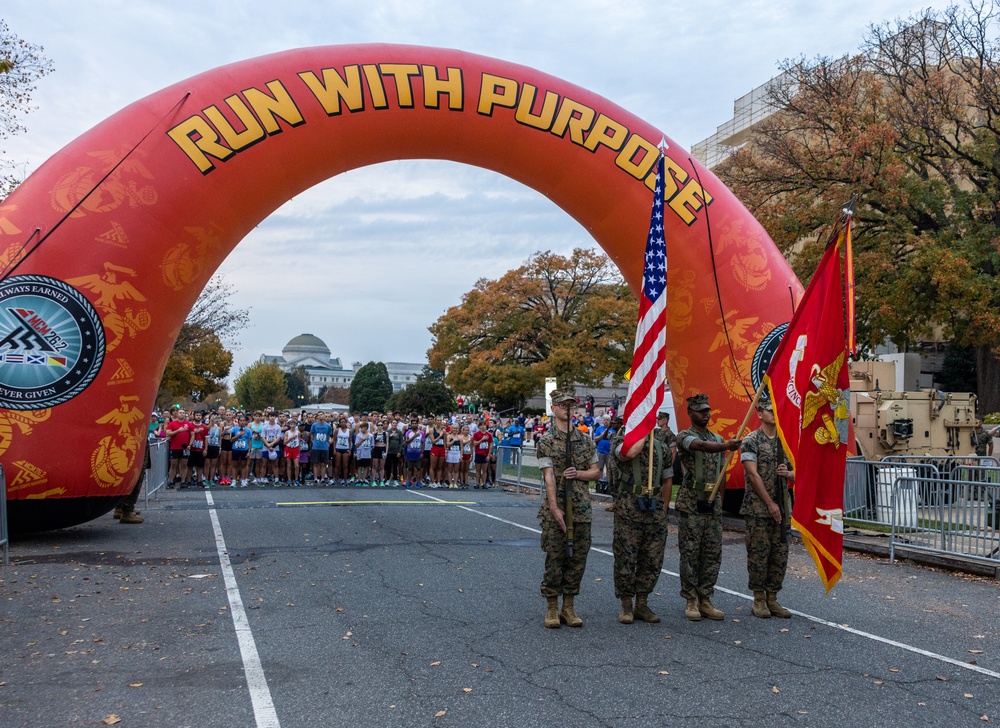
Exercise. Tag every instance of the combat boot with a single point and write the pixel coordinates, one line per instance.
(552, 613)
(760, 605)
(709, 610)
(691, 610)
(626, 616)
(567, 615)
(642, 610)
(118, 512)
(776, 609)
(131, 517)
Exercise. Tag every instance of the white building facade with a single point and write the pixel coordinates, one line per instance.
(323, 370)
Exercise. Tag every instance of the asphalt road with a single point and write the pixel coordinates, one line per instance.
(398, 608)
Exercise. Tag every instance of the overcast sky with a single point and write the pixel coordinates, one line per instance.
(679, 66)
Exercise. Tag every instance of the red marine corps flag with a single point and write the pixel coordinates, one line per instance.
(810, 392)
(649, 360)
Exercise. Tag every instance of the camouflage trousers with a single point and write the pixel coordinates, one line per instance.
(767, 556)
(563, 574)
(699, 538)
(638, 546)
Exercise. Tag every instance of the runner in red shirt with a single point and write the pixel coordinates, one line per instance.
(482, 443)
(198, 445)
(179, 432)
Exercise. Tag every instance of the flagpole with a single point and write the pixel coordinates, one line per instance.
(649, 476)
(739, 432)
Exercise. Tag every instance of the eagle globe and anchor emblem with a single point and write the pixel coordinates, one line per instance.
(51, 342)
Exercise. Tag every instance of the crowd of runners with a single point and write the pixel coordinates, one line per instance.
(234, 448)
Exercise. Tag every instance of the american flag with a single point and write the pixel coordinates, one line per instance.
(649, 360)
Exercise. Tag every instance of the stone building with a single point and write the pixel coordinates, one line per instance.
(323, 370)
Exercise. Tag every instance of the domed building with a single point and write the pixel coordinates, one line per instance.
(323, 370)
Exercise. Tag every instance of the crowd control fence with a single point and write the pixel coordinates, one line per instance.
(948, 506)
(4, 533)
(159, 461)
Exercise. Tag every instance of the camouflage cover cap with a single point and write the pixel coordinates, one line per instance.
(764, 402)
(699, 402)
(565, 394)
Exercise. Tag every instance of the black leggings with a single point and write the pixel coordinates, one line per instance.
(391, 467)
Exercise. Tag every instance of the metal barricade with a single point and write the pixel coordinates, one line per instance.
(869, 487)
(518, 466)
(945, 464)
(509, 462)
(963, 519)
(4, 532)
(159, 461)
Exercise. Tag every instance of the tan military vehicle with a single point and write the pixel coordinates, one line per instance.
(925, 422)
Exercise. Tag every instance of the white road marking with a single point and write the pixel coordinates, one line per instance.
(260, 694)
(748, 597)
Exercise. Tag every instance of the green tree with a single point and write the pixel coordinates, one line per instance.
(911, 126)
(370, 388)
(570, 318)
(423, 397)
(197, 367)
(21, 65)
(260, 385)
(297, 386)
(958, 370)
(431, 375)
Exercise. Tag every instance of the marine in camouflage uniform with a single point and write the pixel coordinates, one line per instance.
(767, 512)
(981, 439)
(640, 534)
(699, 534)
(663, 433)
(563, 573)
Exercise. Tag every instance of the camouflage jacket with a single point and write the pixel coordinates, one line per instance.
(551, 452)
(621, 476)
(981, 441)
(666, 436)
(768, 454)
(711, 462)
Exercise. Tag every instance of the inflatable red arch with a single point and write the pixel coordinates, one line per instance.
(106, 247)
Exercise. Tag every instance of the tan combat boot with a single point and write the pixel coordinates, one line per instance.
(642, 610)
(691, 610)
(552, 612)
(760, 605)
(131, 517)
(118, 512)
(709, 610)
(567, 614)
(776, 609)
(626, 616)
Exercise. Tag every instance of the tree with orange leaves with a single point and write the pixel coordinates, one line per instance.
(911, 125)
(572, 318)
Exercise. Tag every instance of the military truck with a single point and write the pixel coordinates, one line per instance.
(924, 422)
